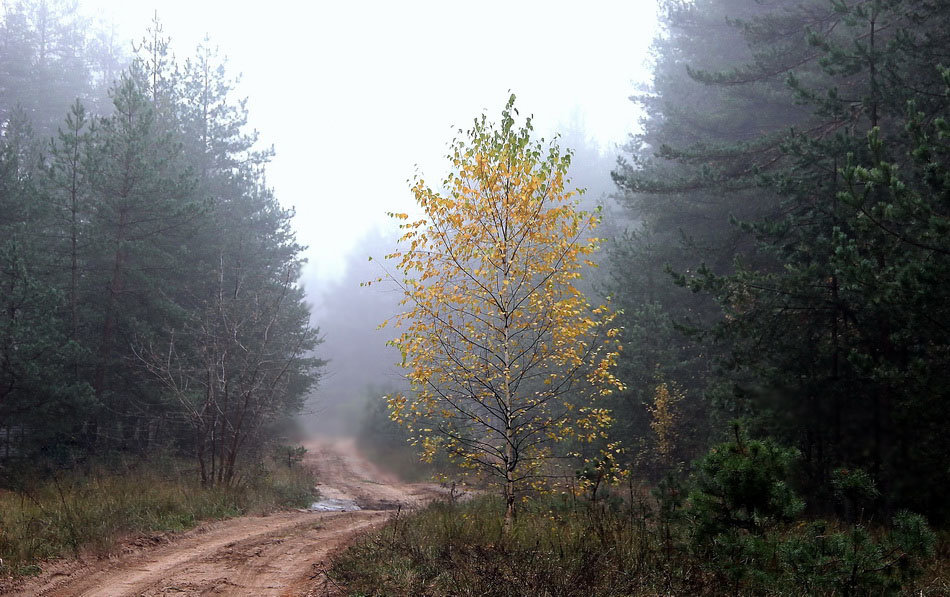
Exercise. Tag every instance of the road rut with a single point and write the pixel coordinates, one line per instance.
(281, 554)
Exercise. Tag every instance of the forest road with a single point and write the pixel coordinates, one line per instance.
(282, 554)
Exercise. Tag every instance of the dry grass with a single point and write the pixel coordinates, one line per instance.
(553, 549)
(556, 548)
(64, 514)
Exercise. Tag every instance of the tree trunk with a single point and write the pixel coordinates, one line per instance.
(108, 324)
(509, 506)
(509, 482)
(200, 454)
(511, 456)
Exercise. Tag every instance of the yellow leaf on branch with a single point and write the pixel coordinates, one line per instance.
(499, 345)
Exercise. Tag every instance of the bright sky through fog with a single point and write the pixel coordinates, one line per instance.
(354, 95)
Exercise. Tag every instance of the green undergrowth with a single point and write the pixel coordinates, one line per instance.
(734, 526)
(629, 547)
(88, 511)
(552, 549)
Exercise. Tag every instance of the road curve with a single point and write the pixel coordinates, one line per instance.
(281, 554)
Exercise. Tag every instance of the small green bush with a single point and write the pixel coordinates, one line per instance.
(740, 495)
(743, 511)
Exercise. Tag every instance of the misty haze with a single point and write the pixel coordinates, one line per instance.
(427, 298)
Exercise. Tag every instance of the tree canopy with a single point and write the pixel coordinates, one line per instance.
(504, 354)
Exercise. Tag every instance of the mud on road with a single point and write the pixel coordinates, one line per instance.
(281, 554)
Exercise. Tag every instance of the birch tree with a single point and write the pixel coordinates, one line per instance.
(505, 356)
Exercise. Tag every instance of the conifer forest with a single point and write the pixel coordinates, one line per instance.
(713, 359)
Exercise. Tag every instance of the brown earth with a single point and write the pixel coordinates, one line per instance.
(281, 554)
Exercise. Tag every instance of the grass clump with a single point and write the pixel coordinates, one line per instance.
(67, 513)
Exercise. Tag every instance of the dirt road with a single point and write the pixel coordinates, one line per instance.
(277, 555)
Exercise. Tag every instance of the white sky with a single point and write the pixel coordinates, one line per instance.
(354, 95)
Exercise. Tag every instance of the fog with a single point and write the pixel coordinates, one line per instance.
(355, 99)
(349, 313)
(193, 202)
(354, 96)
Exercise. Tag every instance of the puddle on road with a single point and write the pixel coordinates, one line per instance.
(333, 505)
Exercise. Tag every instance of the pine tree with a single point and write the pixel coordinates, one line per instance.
(825, 308)
(143, 211)
(239, 363)
(43, 66)
(37, 391)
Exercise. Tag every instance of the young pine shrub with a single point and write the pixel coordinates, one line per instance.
(747, 530)
(855, 560)
(740, 497)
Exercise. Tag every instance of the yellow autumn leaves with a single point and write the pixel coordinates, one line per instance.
(504, 354)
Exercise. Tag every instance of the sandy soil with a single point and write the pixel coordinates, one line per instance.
(281, 554)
